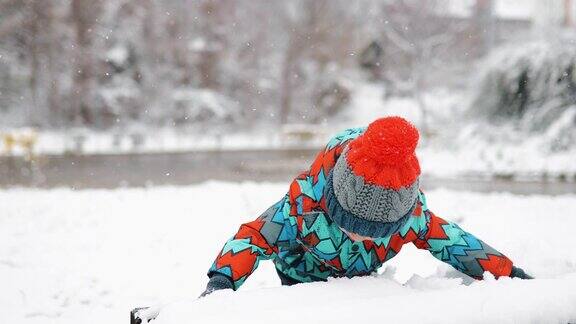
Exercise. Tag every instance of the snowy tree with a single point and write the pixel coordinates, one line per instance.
(113, 63)
(532, 86)
(418, 38)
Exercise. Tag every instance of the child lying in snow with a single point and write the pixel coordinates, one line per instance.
(353, 210)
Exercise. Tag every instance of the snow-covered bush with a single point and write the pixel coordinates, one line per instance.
(202, 105)
(533, 83)
(531, 87)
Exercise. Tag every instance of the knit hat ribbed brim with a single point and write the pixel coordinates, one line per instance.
(355, 224)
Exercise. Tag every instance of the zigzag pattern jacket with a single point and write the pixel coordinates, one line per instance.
(305, 245)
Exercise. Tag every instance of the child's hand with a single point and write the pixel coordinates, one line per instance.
(217, 282)
(519, 273)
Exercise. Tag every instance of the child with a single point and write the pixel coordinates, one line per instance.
(353, 210)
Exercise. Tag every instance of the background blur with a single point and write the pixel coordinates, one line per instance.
(179, 120)
(138, 92)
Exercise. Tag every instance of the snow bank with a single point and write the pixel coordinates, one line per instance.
(380, 299)
(159, 140)
(91, 256)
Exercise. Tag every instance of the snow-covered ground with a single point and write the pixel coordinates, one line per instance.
(90, 256)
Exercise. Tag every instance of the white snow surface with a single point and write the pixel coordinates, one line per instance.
(90, 256)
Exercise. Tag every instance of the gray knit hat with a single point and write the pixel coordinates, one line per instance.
(373, 187)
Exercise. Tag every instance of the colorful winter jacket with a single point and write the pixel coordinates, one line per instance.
(305, 245)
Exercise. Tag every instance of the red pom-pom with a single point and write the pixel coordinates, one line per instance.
(384, 155)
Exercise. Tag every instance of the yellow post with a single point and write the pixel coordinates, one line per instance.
(9, 142)
(28, 141)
